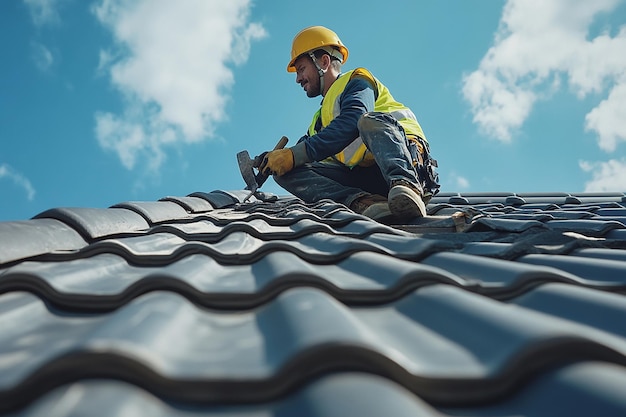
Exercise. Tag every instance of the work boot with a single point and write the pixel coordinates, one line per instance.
(405, 200)
(373, 206)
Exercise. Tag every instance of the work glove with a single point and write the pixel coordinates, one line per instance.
(277, 162)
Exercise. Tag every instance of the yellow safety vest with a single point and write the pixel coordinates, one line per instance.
(356, 153)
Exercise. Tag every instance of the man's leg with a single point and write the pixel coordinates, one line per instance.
(386, 140)
(362, 189)
(318, 180)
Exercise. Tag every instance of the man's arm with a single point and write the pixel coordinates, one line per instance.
(357, 99)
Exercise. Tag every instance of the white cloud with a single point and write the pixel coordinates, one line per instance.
(122, 137)
(42, 56)
(606, 176)
(537, 43)
(171, 63)
(44, 11)
(18, 179)
(609, 118)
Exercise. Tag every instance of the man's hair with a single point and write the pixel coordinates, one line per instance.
(335, 62)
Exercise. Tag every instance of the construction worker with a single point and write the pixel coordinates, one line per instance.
(363, 148)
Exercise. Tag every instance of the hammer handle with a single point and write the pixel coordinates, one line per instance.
(281, 143)
(261, 178)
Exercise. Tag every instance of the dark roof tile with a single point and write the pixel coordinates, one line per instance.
(25, 239)
(600, 271)
(260, 354)
(611, 212)
(581, 389)
(94, 223)
(218, 199)
(505, 225)
(588, 227)
(598, 309)
(191, 204)
(335, 395)
(495, 304)
(156, 211)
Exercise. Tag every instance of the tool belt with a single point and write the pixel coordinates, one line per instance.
(424, 165)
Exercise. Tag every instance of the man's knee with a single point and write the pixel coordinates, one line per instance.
(369, 121)
(373, 122)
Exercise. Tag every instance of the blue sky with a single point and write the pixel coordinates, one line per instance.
(105, 101)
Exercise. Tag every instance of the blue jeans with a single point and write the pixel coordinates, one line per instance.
(384, 137)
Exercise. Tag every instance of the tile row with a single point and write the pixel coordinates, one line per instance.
(582, 389)
(447, 346)
(107, 281)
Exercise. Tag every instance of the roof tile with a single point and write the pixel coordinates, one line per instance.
(25, 239)
(494, 304)
(156, 211)
(94, 223)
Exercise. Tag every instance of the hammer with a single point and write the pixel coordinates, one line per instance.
(247, 165)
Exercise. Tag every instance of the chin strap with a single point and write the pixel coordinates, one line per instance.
(320, 72)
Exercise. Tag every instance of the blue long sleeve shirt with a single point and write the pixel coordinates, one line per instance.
(357, 98)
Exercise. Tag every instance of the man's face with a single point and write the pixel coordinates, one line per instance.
(307, 76)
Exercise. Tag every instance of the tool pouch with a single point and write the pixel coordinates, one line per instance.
(425, 166)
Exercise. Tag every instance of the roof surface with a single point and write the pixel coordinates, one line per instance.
(495, 305)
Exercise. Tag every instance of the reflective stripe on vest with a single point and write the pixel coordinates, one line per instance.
(356, 152)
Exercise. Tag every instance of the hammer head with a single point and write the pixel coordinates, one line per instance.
(246, 166)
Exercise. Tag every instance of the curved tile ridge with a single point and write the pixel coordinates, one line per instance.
(241, 248)
(156, 211)
(507, 279)
(601, 310)
(587, 227)
(571, 391)
(107, 282)
(217, 199)
(377, 397)
(540, 216)
(294, 206)
(599, 270)
(282, 212)
(611, 212)
(504, 225)
(609, 197)
(429, 350)
(96, 223)
(578, 390)
(511, 247)
(208, 232)
(338, 218)
(25, 239)
(191, 204)
(611, 254)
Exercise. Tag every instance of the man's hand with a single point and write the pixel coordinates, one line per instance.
(277, 162)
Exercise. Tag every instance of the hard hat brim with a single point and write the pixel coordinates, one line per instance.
(342, 50)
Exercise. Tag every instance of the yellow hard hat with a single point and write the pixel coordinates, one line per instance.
(312, 38)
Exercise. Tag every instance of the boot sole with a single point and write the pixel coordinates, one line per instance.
(405, 203)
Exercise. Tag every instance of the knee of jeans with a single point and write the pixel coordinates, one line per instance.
(368, 122)
(372, 121)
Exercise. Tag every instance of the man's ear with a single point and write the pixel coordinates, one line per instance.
(326, 62)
